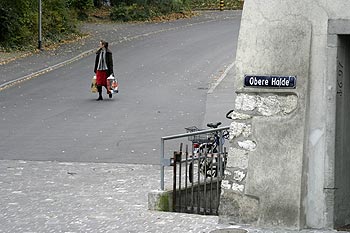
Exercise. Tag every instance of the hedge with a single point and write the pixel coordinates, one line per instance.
(19, 18)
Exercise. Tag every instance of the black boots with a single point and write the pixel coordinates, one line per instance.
(99, 89)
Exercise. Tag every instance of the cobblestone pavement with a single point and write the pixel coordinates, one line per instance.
(86, 197)
(91, 197)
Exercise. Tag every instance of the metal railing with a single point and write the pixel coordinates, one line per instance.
(167, 161)
(197, 181)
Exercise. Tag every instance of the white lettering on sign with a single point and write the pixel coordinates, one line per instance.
(258, 82)
(279, 82)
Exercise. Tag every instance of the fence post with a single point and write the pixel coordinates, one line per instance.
(162, 164)
(177, 159)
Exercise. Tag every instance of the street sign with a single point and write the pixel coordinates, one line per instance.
(270, 81)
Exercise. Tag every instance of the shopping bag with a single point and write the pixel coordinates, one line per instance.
(112, 84)
(93, 85)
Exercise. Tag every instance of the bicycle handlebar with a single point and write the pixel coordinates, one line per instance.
(228, 114)
(214, 125)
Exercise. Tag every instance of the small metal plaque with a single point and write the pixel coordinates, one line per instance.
(270, 81)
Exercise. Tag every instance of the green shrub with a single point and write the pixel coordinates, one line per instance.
(16, 22)
(82, 7)
(130, 13)
(19, 18)
(146, 9)
(215, 4)
(170, 6)
(126, 10)
(19, 21)
(57, 20)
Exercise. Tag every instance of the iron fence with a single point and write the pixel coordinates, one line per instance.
(196, 175)
(197, 181)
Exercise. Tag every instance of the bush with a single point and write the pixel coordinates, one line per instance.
(82, 7)
(19, 18)
(133, 10)
(146, 9)
(130, 13)
(57, 20)
(215, 4)
(17, 21)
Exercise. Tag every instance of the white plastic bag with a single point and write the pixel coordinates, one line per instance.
(112, 84)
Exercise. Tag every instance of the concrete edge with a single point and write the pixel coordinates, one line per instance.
(213, 87)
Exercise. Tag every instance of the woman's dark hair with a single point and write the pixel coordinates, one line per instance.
(104, 43)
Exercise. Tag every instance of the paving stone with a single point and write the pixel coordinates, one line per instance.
(83, 197)
(91, 197)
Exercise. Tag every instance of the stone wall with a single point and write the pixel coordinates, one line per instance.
(268, 175)
(282, 158)
(254, 151)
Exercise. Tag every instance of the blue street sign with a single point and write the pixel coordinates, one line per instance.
(270, 81)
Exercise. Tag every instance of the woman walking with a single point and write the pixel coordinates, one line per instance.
(103, 68)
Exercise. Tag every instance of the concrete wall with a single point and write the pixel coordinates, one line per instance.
(285, 167)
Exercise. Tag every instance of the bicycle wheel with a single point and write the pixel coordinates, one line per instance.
(194, 174)
(208, 169)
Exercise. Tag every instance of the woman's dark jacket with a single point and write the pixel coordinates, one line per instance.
(109, 61)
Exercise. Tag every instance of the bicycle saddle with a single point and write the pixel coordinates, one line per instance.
(214, 125)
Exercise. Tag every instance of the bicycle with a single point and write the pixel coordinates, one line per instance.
(204, 145)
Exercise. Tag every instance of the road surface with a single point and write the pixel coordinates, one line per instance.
(164, 70)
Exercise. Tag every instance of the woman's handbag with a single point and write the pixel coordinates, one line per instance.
(93, 85)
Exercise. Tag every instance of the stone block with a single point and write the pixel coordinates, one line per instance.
(238, 208)
(237, 158)
(245, 102)
(240, 116)
(160, 200)
(276, 104)
(247, 145)
(237, 129)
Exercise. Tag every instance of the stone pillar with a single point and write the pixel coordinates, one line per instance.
(265, 182)
(289, 160)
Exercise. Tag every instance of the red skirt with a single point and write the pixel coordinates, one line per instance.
(101, 78)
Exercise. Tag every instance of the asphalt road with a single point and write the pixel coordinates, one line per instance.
(164, 77)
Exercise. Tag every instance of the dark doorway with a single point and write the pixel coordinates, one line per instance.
(342, 140)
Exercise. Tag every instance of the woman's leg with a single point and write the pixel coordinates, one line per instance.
(101, 80)
(99, 89)
(108, 91)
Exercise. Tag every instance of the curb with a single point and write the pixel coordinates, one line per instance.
(42, 71)
(212, 88)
